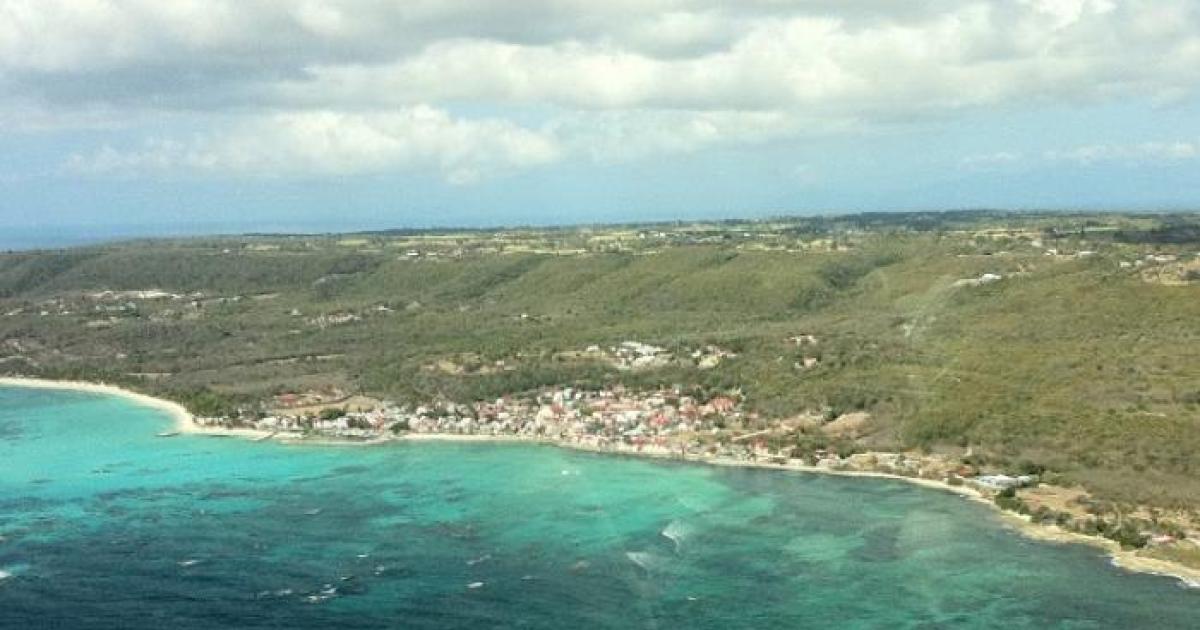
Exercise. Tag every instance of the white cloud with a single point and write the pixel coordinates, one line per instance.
(988, 161)
(982, 53)
(463, 150)
(805, 175)
(1135, 153)
(324, 142)
(1067, 12)
(364, 86)
(1154, 152)
(611, 136)
(690, 54)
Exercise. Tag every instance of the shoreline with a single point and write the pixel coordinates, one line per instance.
(185, 423)
(183, 419)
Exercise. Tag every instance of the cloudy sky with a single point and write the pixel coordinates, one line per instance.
(438, 112)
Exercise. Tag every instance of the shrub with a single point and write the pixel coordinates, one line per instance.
(1028, 467)
(1007, 499)
(1128, 535)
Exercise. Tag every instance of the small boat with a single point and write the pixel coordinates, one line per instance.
(168, 434)
(475, 585)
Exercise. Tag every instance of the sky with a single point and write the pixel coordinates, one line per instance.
(300, 115)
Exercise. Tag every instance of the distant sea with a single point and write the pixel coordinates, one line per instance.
(23, 238)
(104, 525)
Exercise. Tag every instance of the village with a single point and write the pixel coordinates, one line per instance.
(680, 424)
(666, 418)
(668, 422)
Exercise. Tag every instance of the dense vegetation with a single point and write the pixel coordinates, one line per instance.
(1071, 360)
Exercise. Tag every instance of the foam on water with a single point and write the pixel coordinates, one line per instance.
(676, 531)
(645, 560)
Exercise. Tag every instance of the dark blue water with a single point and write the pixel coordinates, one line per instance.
(104, 525)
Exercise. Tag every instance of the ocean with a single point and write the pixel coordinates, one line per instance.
(26, 238)
(105, 525)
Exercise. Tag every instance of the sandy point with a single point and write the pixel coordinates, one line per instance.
(183, 419)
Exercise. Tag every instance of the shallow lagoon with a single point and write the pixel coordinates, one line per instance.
(104, 525)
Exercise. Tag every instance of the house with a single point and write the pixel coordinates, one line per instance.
(1002, 482)
(803, 339)
(722, 404)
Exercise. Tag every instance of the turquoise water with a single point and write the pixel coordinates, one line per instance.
(104, 525)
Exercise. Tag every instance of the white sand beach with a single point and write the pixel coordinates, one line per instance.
(182, 417)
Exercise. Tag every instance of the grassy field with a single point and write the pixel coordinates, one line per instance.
(1083, 357)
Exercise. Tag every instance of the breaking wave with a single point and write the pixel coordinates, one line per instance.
(677, 532)
(645, 560)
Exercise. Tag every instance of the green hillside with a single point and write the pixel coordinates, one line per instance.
(1070, 360)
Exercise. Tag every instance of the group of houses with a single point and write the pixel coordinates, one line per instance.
(668, 421)
(635, 355)
(609, 415)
